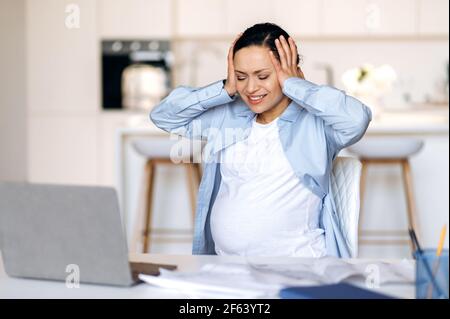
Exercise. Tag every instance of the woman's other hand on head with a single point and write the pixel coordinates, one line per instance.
(230, 84)
(287, 66)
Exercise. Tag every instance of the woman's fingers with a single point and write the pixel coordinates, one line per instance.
(230, 61)
(230, 54)
(293, 48)
(230, 51)
(287, 51)
(275, 62)
(281, 54)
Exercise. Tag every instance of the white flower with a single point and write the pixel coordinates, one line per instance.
(368, 80)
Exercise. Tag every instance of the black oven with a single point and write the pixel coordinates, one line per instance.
(140, 69)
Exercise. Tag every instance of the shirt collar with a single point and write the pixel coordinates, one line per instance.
(290, 114)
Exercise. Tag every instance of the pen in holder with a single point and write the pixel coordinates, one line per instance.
(428, 279)
(432, 281)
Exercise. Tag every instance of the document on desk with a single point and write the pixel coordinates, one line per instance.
(330, 270)
(264, 280)
(215, 280)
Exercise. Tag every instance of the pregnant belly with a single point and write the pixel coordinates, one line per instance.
(238, 226)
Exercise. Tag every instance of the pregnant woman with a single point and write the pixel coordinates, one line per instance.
(271, 138)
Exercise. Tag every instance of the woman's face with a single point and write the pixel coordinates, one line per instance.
(257, 81)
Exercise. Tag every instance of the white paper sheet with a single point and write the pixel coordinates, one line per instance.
(264, 280)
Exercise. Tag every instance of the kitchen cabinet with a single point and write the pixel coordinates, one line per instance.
(314, 18)
(62, 149)
(337, 19)
(370, 17)
(230, 17)
(200, 18)
(135, 19)
(243, 14)
(298, 17)
(62, 58)
(433, 17)
(108, 123)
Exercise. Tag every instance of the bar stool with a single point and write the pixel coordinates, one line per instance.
(164, 151)
(386, 151)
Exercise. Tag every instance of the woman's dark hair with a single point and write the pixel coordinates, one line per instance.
(262, 34)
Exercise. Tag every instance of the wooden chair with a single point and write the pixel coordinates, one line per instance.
(388, 151)
(167, 152)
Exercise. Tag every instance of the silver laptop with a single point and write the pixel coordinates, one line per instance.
(55, 231)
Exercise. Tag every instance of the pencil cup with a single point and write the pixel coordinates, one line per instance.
(432, 275)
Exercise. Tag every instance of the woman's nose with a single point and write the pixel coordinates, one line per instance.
(252, 86)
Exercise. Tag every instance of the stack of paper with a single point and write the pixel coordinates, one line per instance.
(265, 280)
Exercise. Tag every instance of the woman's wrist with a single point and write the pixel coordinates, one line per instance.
(229, 91)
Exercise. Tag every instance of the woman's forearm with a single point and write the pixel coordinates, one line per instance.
(347, 117)
(184, 104)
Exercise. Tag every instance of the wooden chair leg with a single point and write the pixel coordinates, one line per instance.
(362, 189)
(409, 191)
(198, 171)
(150, 171)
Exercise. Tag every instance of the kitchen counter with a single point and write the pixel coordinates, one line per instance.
(433, 121)
(414, 121)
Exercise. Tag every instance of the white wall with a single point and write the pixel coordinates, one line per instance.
(13, 129)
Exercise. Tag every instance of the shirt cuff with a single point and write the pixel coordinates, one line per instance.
(296, 88)
(213, 95)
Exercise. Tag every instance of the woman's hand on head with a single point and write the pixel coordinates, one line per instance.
(287, 66)
(230, 84)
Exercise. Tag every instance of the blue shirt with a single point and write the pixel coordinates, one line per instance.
(319, 121)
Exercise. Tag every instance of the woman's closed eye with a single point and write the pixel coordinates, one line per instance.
(262, 77)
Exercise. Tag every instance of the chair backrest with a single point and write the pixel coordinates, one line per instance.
(345, 183)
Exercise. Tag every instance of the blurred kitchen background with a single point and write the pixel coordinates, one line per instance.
(80, 77)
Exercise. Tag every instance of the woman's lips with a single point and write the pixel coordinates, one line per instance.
(256, 99)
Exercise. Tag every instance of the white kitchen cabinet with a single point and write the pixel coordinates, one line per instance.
(200, 18)
(62, 56)
(370, 17)
(243, 14)
(62, 149)
(108, 122)
(433, 17)
(337, 19)
(135, 18)
(298, 17)
(230, 17)
(397, 17)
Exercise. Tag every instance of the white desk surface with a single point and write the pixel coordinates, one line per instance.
(28, 288)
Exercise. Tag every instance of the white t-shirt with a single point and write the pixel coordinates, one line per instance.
(262, 208)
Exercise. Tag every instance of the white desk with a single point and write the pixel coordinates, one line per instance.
(26, 288)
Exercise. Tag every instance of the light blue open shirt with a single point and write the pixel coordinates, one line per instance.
(319, 121)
